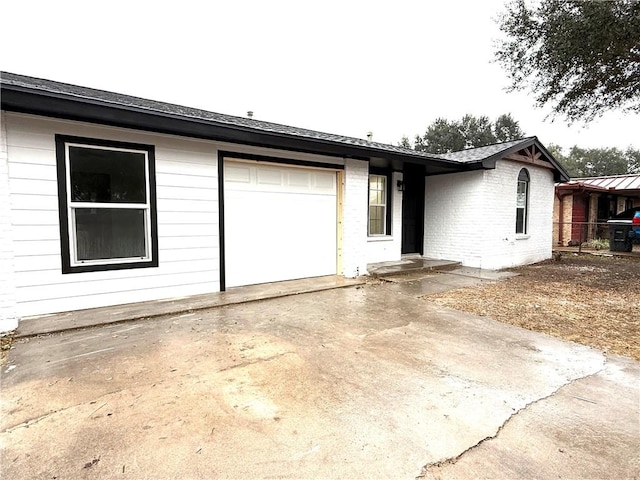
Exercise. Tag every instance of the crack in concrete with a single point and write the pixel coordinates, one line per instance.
(453, 460)
(34, 420)
(253, 362)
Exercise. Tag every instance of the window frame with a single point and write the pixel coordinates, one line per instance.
(67, 207)
(387, 204)
(525, 208)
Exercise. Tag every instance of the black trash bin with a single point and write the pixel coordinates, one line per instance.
(619, 238)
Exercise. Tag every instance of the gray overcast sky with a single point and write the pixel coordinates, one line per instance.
(345, 67)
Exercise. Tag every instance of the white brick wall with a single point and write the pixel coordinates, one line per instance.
(354, 229)
(389, 247)
(453, 216)
(8, 315)
(470, 217)
(502, 248)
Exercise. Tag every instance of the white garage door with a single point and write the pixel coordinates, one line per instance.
(279, 222)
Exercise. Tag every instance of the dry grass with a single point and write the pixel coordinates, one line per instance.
(6, 343)
(583, 298)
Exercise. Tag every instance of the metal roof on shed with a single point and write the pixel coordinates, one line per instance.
(614, 182)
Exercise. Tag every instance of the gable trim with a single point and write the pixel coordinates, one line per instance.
(560, 174)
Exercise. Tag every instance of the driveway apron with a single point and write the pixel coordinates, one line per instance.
(360, 382)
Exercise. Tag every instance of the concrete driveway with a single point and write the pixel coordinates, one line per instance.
(360, 382)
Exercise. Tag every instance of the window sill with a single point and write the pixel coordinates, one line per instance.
(522, 236)
(380, 238)
(103, 267)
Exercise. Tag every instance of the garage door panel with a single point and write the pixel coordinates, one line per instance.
(265, 178)
(237, 174)
(279, 232)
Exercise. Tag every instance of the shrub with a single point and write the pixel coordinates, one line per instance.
(598, 244)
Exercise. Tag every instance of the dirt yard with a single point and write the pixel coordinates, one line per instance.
(593, 300)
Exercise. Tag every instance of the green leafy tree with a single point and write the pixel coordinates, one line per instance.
(444, 135)
(597, 162)
(633, 159)
(557, 152)
(477, 131)
(405, 142)
(441, 136)
(505, 128)
(581, 57)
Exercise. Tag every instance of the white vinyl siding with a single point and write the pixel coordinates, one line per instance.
(8, 314)
(186, 183)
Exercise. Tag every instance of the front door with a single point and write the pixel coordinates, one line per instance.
(413, 209)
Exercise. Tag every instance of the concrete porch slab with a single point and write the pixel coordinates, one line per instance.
(438, 283)
(409, 265)
(60, 322)
(422, 283)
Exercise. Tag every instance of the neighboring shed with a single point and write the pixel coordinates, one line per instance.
(583, 205)
(110, 199)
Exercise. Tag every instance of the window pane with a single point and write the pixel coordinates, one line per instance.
(376, 220)
(377, 190)
(105, 176)
(520, 220)
(103, 233)
(522, 194)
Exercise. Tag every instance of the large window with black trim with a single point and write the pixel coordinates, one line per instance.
(107, 204)
(379, 211)
(522, 202)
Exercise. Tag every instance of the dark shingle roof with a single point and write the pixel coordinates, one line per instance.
(41, 96)
(86, 93)
(482, 153)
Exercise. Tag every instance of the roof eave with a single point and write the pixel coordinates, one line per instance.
(65, 106)
(581, 187)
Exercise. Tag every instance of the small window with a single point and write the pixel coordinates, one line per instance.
(377, 205)
(107, 205)
(522, 202)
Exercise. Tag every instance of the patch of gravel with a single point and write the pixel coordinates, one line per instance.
(592, 300)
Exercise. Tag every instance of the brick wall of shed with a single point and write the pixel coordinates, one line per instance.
(562, 214)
